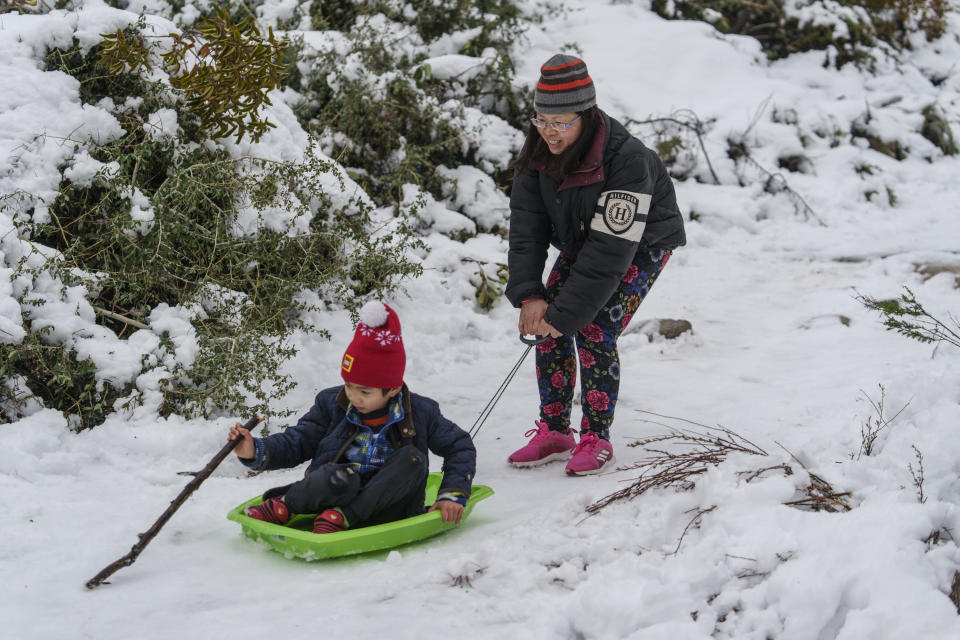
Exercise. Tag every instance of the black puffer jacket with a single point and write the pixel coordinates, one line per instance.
(618, 202)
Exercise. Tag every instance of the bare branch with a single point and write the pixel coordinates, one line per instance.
(695, 519)
(120, 318)
(145, 538)
(693, 123)
(918, 475)
(699, 451)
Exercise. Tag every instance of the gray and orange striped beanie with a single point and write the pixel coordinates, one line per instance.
(564, 86)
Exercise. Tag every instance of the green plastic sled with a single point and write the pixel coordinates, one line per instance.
(297, 540)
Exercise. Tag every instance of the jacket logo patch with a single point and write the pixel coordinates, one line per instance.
(619, 210)
(347, 363)
(622, 214)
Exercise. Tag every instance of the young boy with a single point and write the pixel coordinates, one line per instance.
(367, 442)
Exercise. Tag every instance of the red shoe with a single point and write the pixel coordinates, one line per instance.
(544, 446)
(330, 521)
(272, 510)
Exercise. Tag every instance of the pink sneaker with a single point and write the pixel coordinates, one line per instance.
(544, 447)
(592, 455)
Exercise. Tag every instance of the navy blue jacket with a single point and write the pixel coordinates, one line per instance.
(323, 435)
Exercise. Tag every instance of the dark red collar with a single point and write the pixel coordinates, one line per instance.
(590, 171)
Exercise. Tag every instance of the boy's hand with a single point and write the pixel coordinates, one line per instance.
(245, 449)
(450, 511)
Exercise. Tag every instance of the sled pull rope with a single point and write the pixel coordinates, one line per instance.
(487, 410)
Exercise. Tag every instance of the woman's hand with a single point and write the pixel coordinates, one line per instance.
(547, 329)
(245, 449)
(533, 320)
(531, 316)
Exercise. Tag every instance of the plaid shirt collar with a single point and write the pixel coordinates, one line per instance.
(404, 425)
(394, 412)
(369, 451)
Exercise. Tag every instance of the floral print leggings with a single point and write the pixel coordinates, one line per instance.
(596, 348)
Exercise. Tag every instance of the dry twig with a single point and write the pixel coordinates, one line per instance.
(820, 496)
(871, 429)
(955, 590)
(689, 120)
(707, 448)
(463, 580)
(917, 474)
(694, 520)
(940, 535)
(820, 493)
(773, 182)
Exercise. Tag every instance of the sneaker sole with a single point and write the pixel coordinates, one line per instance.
(611, 460)
(564, 455)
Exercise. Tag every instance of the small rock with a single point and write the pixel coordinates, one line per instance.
(670, 328)
(930, 270)
(667, 327)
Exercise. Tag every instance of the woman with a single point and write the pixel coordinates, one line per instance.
(585, 185)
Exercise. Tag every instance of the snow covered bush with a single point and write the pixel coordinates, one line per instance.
(222, 68)
(846, 29)
(196, 259)
(417, 81)
(22, 6)
(200, 217)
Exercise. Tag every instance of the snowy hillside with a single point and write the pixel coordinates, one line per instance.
(781, 243)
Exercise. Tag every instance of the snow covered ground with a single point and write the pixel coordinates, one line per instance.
(781, 353)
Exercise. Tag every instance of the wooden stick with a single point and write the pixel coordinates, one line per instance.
(120, 318)
(146, 537)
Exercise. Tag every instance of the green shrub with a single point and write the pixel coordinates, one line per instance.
(489, 289)
(223, 67)
(187, 249)
(190, 249)
(405, 136)
(896, 20)
(204, 238)
(861, 128)
(334, 15)
(55, 375)
(389, 96)
(23, 6)
(780, 34)
(936, 128)
(907, 316)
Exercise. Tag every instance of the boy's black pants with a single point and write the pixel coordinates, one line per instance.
(388, 495)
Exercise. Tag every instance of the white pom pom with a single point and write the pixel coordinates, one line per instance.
(374, 314)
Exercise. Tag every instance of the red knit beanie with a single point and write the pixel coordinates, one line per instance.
(376, 357)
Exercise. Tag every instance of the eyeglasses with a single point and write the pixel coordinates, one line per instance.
(556, 126)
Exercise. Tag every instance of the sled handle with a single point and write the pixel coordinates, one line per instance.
(534, 341)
